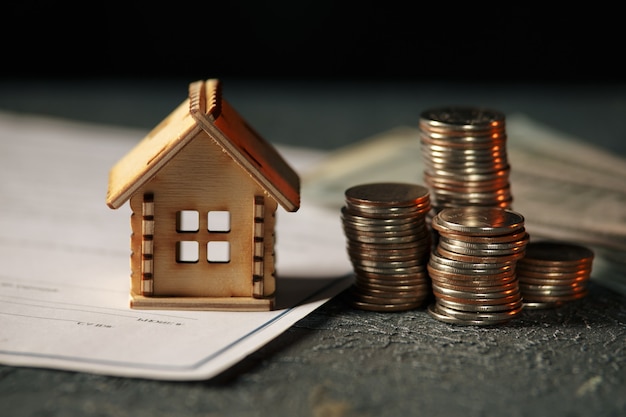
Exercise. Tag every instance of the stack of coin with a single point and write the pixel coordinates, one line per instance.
(465, 158)
(472, 267)
(553, 273)
(388, 242)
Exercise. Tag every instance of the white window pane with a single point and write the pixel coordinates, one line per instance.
(187, 251)
(218, 251)
(187, 221)
(219, 221)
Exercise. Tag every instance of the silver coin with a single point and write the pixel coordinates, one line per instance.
(477, 251)
(364, 305)
(557, 298)
(387, 264)
(372, 276)
(548, 253)
(501, 259)
(416, 247)
(480, 315)
(495, 273)
(419, 224)
(469, 300)
(389, 256)
(547, 269)
(474, 284)
(393, 281)
(462, 118)
(493, 180)
(462, 176)
(481, 307)
(382, 240)
(545, 281)
(515, 242)
(486, 297)
(528, 305)
(494, 152)
(488, 263)
(441, 188)
(552, 275)
(461, 143)
(479, 220)
(415, 290)
(379, 221)
(547, 290)
(497, 286)
(390, 271)
(389, 213)
(387, 194)
(467, 139)
(386, 299)
(439, 315)
(412, 233)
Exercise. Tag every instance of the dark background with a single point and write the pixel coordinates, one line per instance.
(130, 64)
(312, 40)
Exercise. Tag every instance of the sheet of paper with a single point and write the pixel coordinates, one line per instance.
(64, 265)
(566, 188)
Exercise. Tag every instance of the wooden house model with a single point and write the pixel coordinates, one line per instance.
(203, 188)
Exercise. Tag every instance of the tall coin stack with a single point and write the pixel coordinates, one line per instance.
(465, 158)
(553, 273)
(473, 266)
(388, 242)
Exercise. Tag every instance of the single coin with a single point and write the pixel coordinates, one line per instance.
(481, 307)
(452, 274)
(529, 305)
(487, 299)
(387, 300)
(545, 281)
(478, 220)
(364, 305)
(488, 263)
(437, 314)
(552, 253)
(394, 194)
(350, 216)
(501, 259)
(475, 295)
(502, 287)
(463, 118)
(493, 181)
(553, 298)
(507, 241)
(479, 315)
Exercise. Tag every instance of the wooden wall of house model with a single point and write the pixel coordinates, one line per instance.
(203, 188)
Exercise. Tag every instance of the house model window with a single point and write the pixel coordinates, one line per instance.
(187, 251)
(218, 251)
(203, 188)
(188, 224)
(218, 221)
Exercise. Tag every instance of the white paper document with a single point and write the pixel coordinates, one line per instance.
(64, 265)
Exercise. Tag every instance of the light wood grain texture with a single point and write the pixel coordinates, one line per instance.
(203, 158)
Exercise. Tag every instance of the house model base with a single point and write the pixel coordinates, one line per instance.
(141, 302)
(203, 189)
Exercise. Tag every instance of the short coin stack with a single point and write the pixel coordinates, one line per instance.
(553, 273)
(472, 268)
(465, 158)
(389, 244)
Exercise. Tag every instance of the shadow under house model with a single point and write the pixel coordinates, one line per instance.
(203, 189)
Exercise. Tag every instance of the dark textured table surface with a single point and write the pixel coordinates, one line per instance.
(338, 361)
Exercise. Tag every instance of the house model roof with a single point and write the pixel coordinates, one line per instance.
(205, 109)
